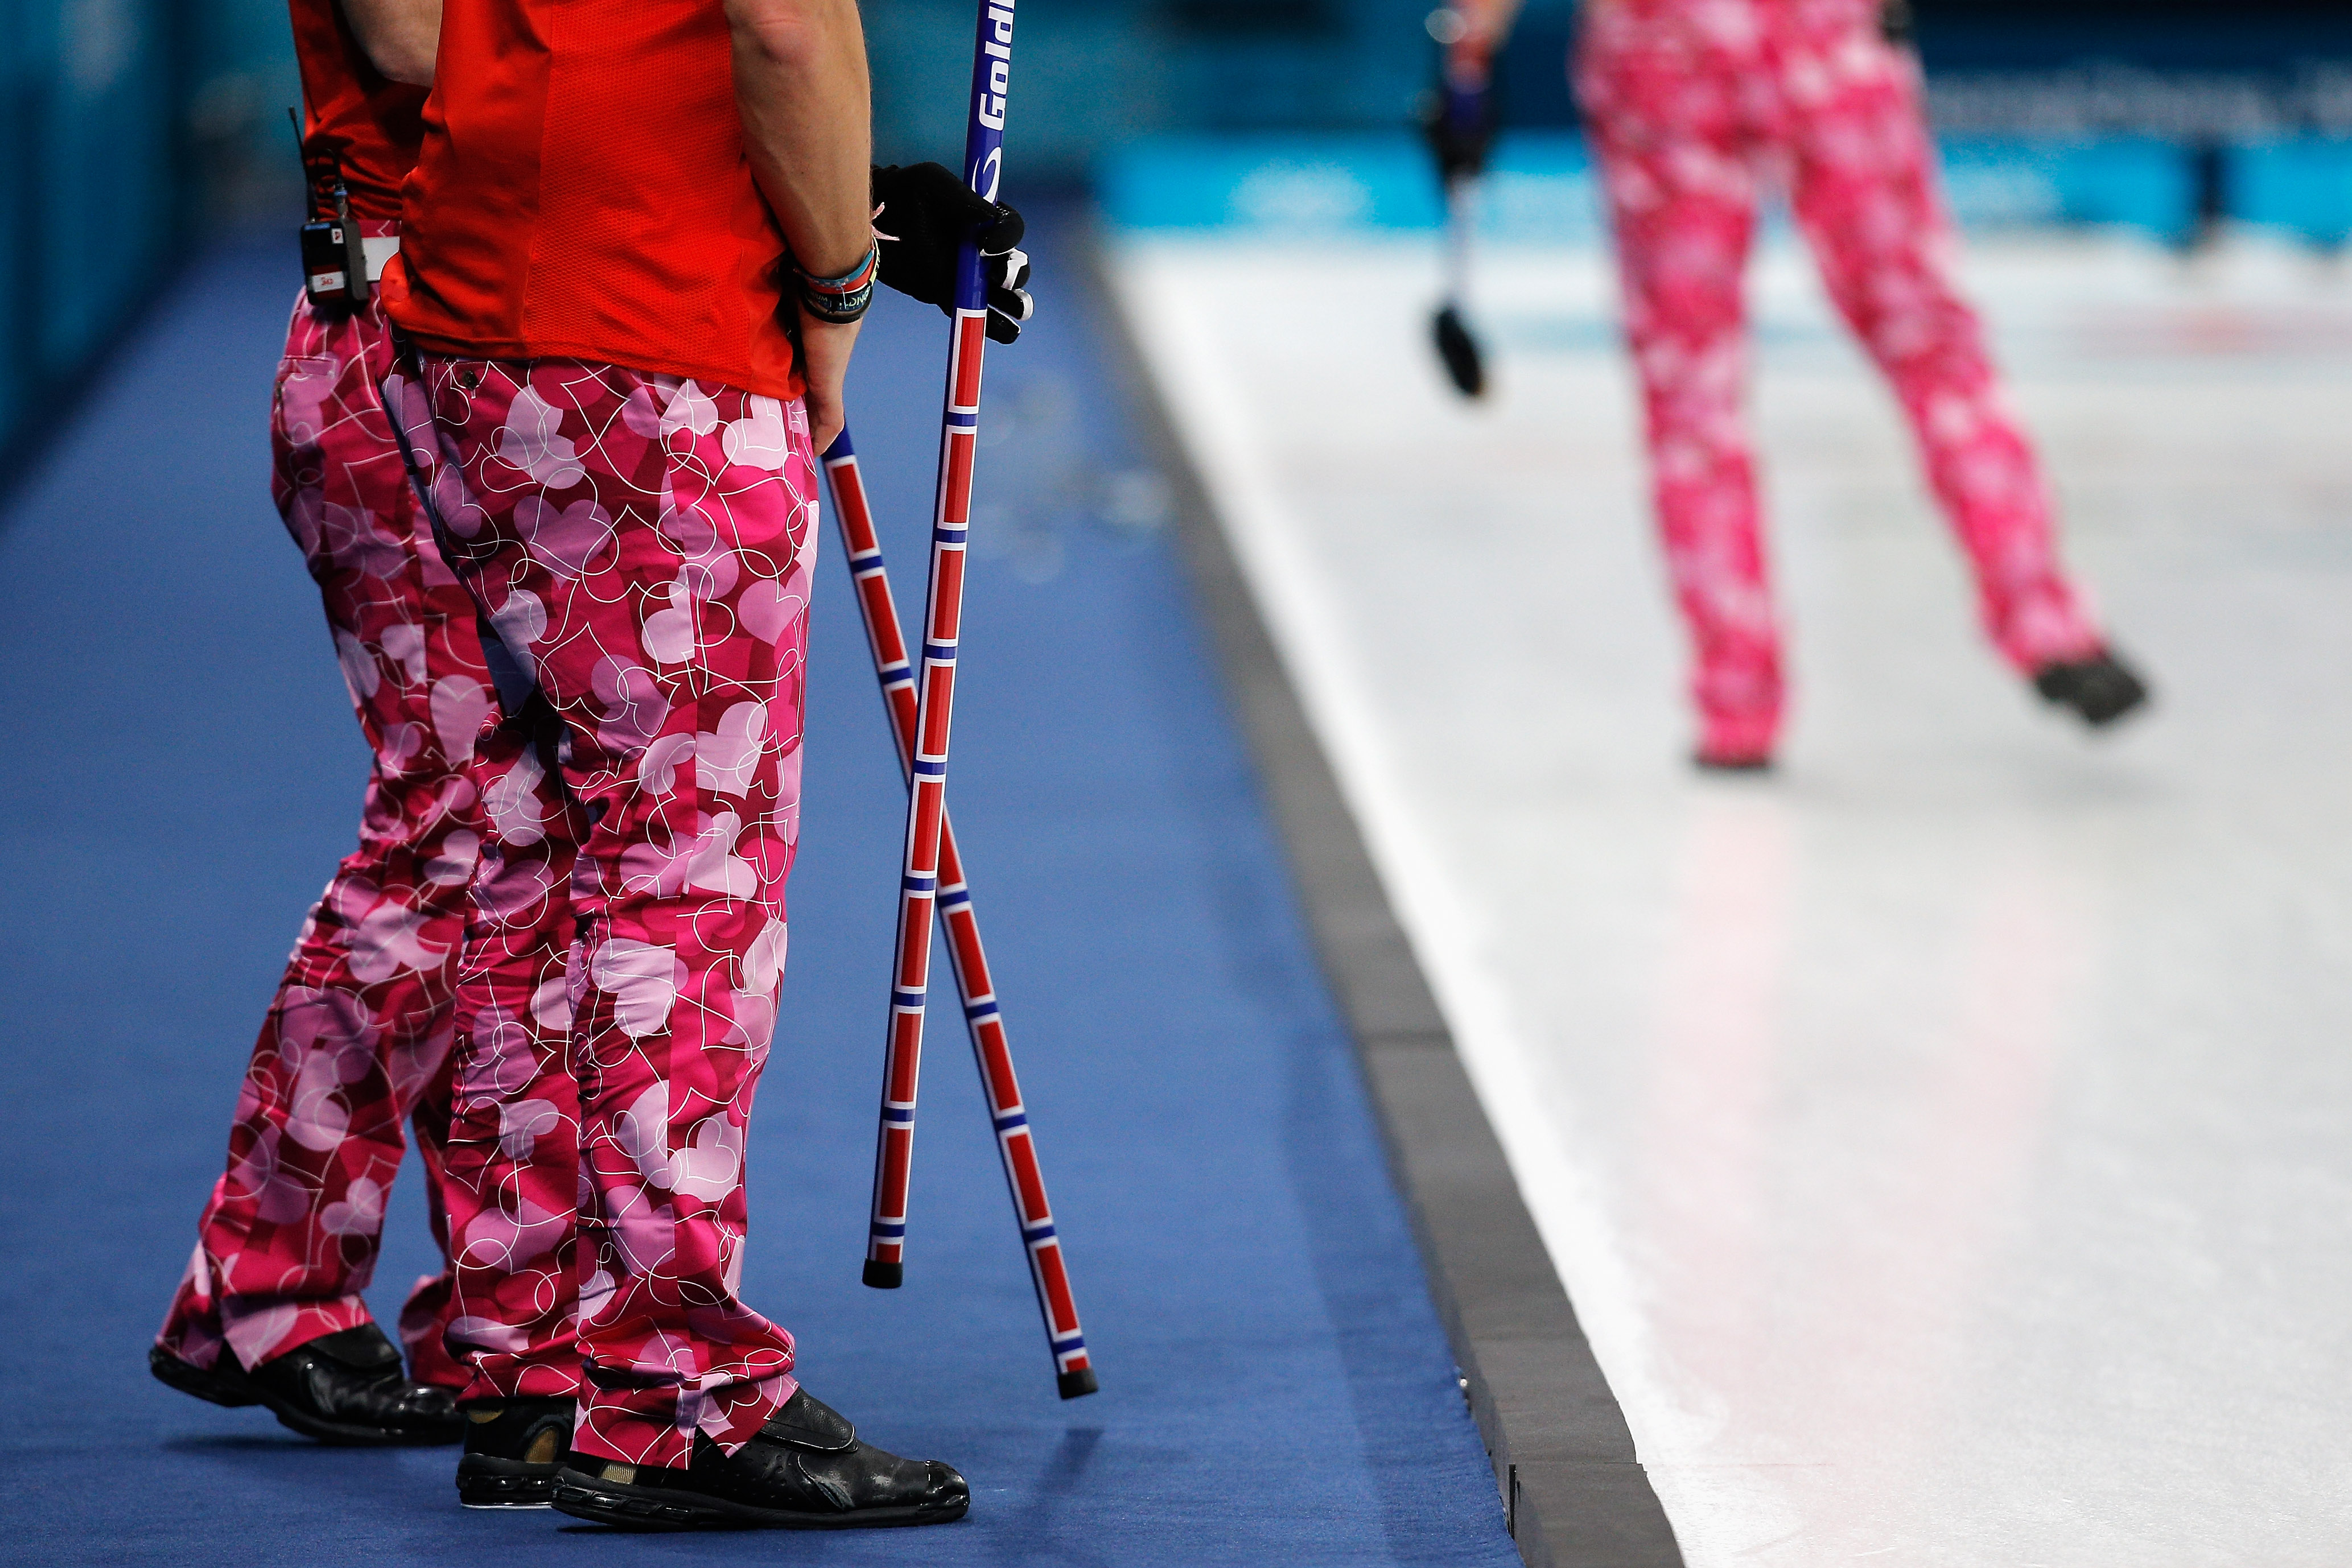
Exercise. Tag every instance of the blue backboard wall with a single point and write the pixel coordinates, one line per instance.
(137, 125)
(88, 185)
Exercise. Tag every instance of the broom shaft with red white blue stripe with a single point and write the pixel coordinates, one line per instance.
(920, 891)
(941, 628)
(960, 921)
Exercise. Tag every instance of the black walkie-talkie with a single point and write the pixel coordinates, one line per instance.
(334, 258)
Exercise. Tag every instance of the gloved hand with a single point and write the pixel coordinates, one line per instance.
(921, 215)
(1459, 126)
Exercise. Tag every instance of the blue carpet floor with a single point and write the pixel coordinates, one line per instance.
(182, 771)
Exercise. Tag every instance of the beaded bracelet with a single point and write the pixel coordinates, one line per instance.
(843, 300)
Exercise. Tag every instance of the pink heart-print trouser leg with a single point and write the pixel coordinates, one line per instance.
(358, 1035)
(641, 546)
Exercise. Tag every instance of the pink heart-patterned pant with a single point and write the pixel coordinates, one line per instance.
(1692, 106)
(642, 546)
(358, 1035)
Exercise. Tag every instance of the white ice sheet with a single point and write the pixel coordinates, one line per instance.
(1948, 1142)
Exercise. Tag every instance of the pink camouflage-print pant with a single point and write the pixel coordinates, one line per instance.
(643, 548)
(1691, 106)
(358, 1035)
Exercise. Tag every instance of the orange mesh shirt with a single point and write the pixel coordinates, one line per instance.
(367, 122)
(582, 193)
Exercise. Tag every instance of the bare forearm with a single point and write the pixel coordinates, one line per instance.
(801, 87)
(1486, 27)
(401, 36)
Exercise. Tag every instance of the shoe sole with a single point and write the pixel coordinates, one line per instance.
(341, 1435)
(2100, 714)
(210, 1386)
(173, 1373)
(648, 1509)
(486, 1481)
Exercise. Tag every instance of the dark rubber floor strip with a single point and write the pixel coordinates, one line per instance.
(1563, 1456)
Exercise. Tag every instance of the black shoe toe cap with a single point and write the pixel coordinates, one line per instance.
(948, 1487)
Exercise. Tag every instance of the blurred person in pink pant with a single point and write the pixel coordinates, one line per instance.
(1693, 108)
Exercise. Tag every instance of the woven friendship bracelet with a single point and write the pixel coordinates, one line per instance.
(843, 300)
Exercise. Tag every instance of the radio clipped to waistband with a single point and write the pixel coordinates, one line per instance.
(328, 275)
(334, 257)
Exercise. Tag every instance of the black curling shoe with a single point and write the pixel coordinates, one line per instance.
(345, 1387)
(805, 1470)
(513, 1449)
(2102, 688)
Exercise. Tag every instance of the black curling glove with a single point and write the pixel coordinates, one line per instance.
(922, 212)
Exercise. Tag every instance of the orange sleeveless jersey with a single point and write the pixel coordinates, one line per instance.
(368, 123)
(582, 193)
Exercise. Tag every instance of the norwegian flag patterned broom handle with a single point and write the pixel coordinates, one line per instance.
(918, 885)
(1015, 1145)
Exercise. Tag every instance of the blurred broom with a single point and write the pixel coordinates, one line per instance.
(1458, 121)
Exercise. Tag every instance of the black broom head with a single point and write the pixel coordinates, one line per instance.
(1459, 352)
